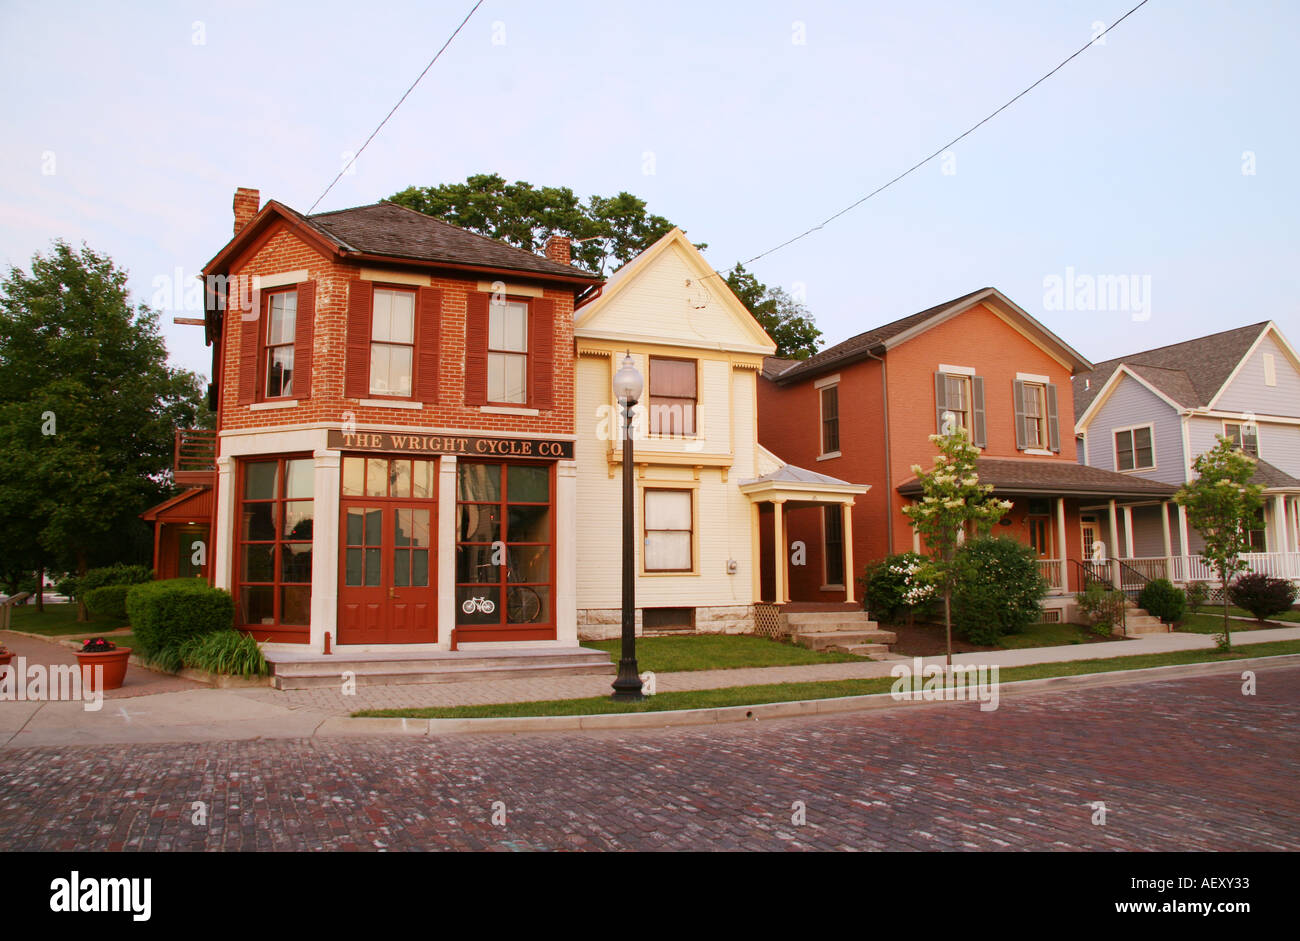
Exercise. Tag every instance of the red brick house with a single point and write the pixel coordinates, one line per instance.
(863, 411)
(393, 457)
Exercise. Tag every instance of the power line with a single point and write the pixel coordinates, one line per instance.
(396, 106)
(967, 132)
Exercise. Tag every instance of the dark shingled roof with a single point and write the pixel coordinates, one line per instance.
(1190, 372)
(1056, 478)
(1270, 477)
(398, 232)
(773, 366)
(862, 343)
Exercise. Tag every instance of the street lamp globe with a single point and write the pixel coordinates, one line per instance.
(628, 382)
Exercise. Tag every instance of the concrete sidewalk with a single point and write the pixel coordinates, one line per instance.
(200, 714)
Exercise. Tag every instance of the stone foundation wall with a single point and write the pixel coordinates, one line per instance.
(607, 623)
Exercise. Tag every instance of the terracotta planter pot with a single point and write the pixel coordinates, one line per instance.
(113, 662)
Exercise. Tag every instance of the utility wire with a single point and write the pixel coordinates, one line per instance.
(968, 131)
(472, 11)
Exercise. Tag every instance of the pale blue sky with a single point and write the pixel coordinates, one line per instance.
(1128, 162)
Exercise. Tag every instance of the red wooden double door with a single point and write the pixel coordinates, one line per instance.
(388, 555)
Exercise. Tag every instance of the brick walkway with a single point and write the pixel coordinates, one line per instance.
(138, 682)
(1188, 764)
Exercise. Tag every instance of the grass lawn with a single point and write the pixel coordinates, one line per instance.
(785, 692)
(60, 619)
(1292, 615)
(1212, 623)
(1050, 635)
(716, 652)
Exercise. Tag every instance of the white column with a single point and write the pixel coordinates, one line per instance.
(1279, 523)
(756, 554)
(847, 510)
(446, 549)
(1114, 546)
(916, 535)
(566, 553)
(325, 549)
(1128, 531)
(222, 550)
(1184, 543)
(1062, 546)
(1164, 530)
(780, 560)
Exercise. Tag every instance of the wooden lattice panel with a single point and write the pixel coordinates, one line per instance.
(767, 622)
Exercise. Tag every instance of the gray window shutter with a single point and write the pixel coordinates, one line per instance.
(1018, 397)
(977, 411)
(1053, 425)
(940, 400)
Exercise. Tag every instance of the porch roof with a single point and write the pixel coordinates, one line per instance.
(1057, 479)
(791, 483)
(193, 504)
(1272, 478)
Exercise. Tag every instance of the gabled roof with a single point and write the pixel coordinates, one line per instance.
(386, 231)
(881, 339)
(1190, 373)
(193, 504)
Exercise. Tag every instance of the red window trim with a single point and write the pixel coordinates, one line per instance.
(527, 354)
(414, 291)
(264, 348)
(278, 630)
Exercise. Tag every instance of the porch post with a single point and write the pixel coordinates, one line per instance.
(1279, 523)
(566, 553)
(1061, 544)
(221, 550)
(1164, 530)
(1114, 545)
(779, 560)
(1128, 532)
(446, 542)
(1184, 545)
(325, 549)
(916, 536)
(756, 553)
(847, 510)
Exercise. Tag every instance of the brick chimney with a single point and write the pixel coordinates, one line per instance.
(247, 202)
(557, 249)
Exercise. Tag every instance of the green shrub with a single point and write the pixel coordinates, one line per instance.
(895, 587)
(1198, 595)
(79, 587)
(230, 652)
(1161, 599)
(1262, 595)
(998, 589)
(108, 600)
(166, 614)
(1103, 607)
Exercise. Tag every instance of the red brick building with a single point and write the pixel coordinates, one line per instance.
(863, 411)
(394, 442)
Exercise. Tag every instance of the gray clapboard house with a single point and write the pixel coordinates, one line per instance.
(1149, 414)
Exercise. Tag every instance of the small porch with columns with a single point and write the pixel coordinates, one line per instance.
(787, 490)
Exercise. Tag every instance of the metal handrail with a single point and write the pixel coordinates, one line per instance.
(1088, 574)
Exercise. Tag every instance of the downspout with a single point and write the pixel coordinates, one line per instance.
(889, 468)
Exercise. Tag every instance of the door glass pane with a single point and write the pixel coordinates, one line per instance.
(401, 527)
(419, 530)
(354, 476)
(260, 478)
(529, 524)
(356, 526)
(480, 523)
(478, 482)
(401, 567)
(401, 476)
(474, 564)
(353, 576)
(373, 563)
(298, 519)
(527, 484)
(420, 567)
(422, 479)
(376, 477)
(374, 527)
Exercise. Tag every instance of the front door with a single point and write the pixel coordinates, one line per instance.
(387, 560)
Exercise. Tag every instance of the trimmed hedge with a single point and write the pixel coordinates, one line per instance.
(108, 601)
(998, 590)
(80, 587)
(1160, 598)
(166, 614)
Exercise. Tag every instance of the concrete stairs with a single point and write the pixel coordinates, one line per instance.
(308, 671)
(844, 631)
(1139, 621)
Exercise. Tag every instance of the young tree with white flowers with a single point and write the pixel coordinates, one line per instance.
(952, 498)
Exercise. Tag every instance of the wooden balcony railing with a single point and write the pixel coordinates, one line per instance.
(195, 457)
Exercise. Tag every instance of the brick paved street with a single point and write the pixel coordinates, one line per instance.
(1183, 764)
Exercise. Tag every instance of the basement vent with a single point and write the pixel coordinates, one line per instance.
(668, 619)
(1052, 616)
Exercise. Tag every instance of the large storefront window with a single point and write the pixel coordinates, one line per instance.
(274, 554)
(504, 535)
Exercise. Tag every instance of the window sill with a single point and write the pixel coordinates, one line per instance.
(1137, 470)
(1039, 452)
(390, 403)
(508, 410)
(269, 406)
(827, 457)
(667, 574)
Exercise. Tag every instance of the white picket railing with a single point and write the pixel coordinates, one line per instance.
(1053, 570)
(1181, 569)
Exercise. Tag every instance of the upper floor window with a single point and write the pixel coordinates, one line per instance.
(959, 403)
(1243, 436)
(281, 318)
(1037, 423)
(1134, 450)
(830, 397)
(672, 396)
(507, 358)
(392, 342)
(1035, 415)
(959, 400)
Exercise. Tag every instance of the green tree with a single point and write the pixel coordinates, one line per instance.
(951, 498)
(787, 321)
(88, 406)
(1221, 505)
(608, 229)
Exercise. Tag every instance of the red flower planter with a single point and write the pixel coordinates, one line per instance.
(113, 662)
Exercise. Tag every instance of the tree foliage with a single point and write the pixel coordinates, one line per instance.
(1222, 505)
(88, 405)
(787, 320)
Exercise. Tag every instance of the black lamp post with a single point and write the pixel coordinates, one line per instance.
(627, 685)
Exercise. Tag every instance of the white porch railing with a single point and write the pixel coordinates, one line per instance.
(1181, 569)
(1053, 570)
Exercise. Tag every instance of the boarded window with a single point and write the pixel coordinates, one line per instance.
(667, 530)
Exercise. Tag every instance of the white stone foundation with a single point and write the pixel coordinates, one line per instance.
(607, 623)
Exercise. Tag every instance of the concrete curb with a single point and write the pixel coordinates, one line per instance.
(370, 725)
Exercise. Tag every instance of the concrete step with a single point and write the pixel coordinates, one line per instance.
(809, 620)
(826, 640)
(332, 678)
(875, 651)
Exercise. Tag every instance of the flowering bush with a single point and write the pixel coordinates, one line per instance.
(98, 645)
(896, 587)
